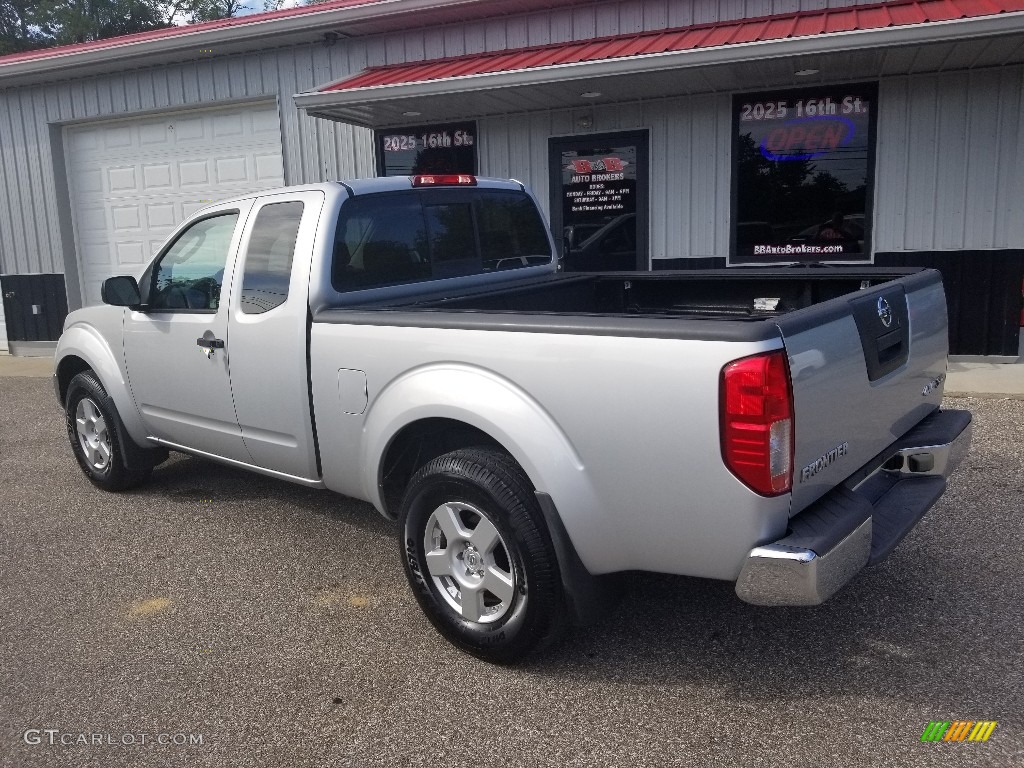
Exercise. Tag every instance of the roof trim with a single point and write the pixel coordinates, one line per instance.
(332, 15)
(330, 95)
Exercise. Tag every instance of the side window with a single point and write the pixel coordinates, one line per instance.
(381, 240)
(190, 273)
(268, 258)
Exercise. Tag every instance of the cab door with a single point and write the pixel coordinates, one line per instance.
(268, 325)
(176, 347)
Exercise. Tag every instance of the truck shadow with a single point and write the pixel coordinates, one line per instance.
(209, 485)
(902, 629)
(915, 626)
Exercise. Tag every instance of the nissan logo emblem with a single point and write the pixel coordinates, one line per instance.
(884, 312)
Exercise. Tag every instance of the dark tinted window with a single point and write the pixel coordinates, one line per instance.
(451, 232)
(268, 259)
(381, 240)
(402, 237)
(512, 232)
(189, 274)
(804, 161)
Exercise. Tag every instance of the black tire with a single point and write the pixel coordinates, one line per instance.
(480, 485)
(103, 464)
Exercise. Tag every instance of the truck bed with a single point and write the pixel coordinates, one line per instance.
(859, 381)
(748, 294)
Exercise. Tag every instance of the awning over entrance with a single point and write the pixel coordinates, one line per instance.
(846, 43)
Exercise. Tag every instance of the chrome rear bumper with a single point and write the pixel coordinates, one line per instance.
(860, 523)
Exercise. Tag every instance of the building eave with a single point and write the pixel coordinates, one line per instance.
(232, 35)
(357, 105)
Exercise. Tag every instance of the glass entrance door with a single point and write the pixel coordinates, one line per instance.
(599, 211)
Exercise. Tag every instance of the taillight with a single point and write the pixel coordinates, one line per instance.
(444, 180)
(757, 422)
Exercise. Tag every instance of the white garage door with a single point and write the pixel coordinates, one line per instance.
(133, 181)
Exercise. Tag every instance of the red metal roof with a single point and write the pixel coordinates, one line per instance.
(177, 31)
(778, 27)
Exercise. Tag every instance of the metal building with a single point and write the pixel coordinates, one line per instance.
(659, 133)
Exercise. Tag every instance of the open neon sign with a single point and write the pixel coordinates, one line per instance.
(805, 138)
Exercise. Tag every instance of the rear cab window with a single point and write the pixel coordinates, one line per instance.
(268, 258)
(392, 238)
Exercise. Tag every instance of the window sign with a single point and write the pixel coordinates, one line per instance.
(447, 148)
(803, 175)
(599, 200)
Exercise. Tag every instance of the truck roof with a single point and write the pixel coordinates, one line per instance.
(372, 185)
(398, 183)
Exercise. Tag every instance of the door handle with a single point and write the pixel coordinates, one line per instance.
(210, 346)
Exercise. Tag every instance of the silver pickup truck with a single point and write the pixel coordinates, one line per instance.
(410, 342)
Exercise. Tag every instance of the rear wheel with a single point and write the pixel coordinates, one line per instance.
(478, 555)
(95, 435)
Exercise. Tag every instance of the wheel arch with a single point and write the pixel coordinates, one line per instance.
(451, 406)
(68, 367)
(81, 348)
(418, 443)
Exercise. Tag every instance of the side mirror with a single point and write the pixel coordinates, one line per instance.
(121, 291)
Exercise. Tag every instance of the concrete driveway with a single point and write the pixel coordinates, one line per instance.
(273, 625)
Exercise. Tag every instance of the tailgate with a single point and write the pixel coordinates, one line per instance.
(866, 368)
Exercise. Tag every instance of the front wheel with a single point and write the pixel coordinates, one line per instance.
(95, 437)
(478, 556)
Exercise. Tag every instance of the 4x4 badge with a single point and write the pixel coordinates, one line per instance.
(884, 311)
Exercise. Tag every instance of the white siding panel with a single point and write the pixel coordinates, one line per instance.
(680, 14)
(496, 35)
(584, 23)
(395, 49)
(433, 43)
(476, 37)
(892, 165)
(949, 169)
(708, 170)
(1009, 217)
(921, 147)
(414, 46)
(454, 41)
(951, 166)
(631, 16)
(668, 150)
(655, 14)
(983, 132)
(20, 193)
(562, 28)
(607, 20)
(705, 11)
(518, 33)
(11, 219)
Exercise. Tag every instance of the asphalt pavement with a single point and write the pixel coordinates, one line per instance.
(249, 622)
